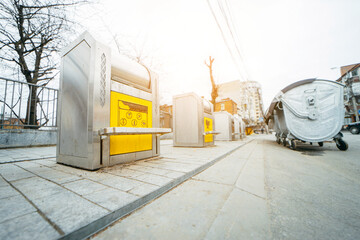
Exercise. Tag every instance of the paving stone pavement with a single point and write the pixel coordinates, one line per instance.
(40, 199)
(261, 191)
(218, 203)
(9, 155)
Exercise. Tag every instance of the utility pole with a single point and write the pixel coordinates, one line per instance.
(214, 91)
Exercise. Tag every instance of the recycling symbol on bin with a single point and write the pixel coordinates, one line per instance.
(123, 121)
(207, 123)
(129, 115)
(134, 122)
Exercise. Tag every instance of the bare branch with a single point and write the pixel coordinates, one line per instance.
(214, 91)
(13, 111)
(30, 31)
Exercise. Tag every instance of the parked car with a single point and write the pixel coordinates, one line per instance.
(354, 127)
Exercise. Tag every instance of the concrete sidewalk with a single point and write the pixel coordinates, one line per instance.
(40, 199)
(25, 154)
(226, 201)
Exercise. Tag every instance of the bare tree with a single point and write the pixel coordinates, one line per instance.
(214, 91)
(31, 31)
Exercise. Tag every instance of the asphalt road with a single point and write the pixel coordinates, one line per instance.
(313, 192)
(261, 191)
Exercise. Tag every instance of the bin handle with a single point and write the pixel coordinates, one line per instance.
(310, 90)
(310, 116)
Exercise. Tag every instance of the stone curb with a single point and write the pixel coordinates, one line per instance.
(103, 222)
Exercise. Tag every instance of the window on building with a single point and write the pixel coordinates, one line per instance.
(354, 73)
(222, 107)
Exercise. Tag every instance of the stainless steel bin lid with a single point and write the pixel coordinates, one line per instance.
(127, 71)
(207, 106)
(274, 102)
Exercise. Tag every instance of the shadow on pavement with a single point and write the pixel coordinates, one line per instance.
(304, 148)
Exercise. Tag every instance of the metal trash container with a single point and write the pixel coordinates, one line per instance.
(242, 126)
(193, 121)
(310, 110)
(102, 100)
(237, 127)
(224, 124)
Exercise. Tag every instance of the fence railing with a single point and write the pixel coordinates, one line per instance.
(26, 105)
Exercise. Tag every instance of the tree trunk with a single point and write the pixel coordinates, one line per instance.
(31, 116)
(214, 91)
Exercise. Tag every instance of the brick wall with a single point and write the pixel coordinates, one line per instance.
(228, 105)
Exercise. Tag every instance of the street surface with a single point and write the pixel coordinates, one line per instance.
(261, 191)
(314, 192)
(40, 199)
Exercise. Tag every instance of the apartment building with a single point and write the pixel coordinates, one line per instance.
(248, 97)
(350, 77)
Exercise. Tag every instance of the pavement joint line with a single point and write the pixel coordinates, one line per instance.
(108, 186)
(267, 191)
(152, 166)
(139, 172)
(201, 180)
(55, 226)
(98, 225)
(155, 168)
(234, 185)
(138, 180)
(83, 178)
(67, 190)
(84, 196)
(163, 168)
(20, 179)
(264, 198)
(179, 161)
(89, 179)
(40, 165)
(25, 160)
(242, 170)
(18, 216)
(70, 181)
(185, 163)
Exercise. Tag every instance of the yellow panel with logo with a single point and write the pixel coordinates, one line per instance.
(129, 111)
(208, 126)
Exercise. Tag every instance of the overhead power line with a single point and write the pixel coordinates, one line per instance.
(230, 31)
(233, 30)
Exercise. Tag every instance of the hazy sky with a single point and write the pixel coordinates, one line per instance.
(282, 41)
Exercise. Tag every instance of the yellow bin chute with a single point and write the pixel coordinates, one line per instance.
(129, 111)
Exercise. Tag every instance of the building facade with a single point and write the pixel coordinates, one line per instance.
(166, 116)
(350, 77)
(248, 97)
(227, 105)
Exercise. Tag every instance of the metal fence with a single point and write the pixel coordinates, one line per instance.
(15, 97)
